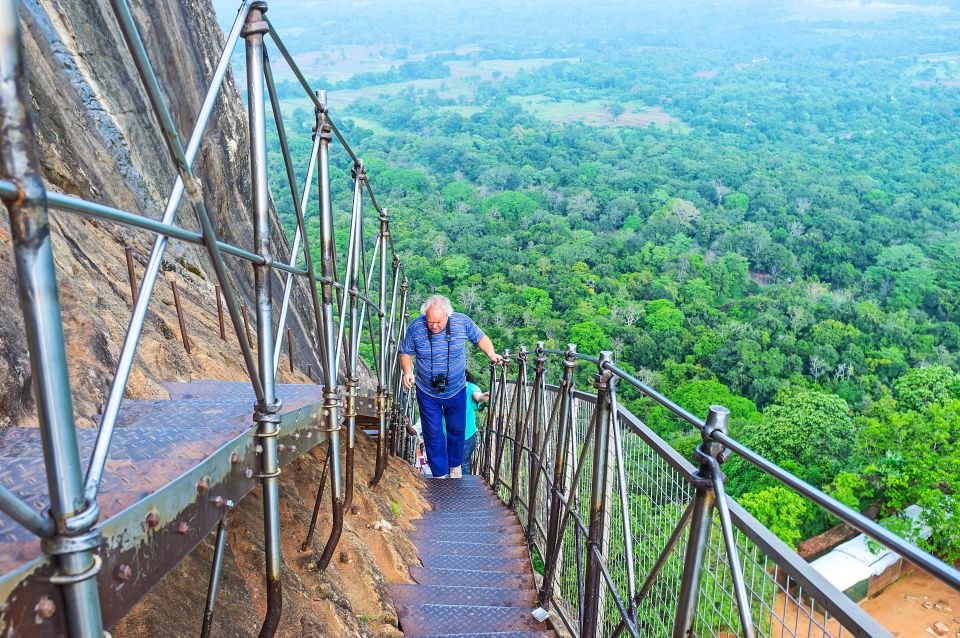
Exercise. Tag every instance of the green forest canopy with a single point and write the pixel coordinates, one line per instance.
(791, 253)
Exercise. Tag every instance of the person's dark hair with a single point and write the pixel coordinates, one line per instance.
(470, 378)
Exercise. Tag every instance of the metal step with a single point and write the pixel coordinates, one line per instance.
(505, 535)
(497, 634)
(424, 620)
(492, 578)
(476, 563)
(462, 595)
(463, 548)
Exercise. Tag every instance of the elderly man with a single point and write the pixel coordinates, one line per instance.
(437, 338)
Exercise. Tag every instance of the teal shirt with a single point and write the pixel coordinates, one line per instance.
(471, 428)
(471, 417)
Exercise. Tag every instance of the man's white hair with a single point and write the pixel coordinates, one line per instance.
(437, 300)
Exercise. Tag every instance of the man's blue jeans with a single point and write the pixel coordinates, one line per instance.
(443, 452)
(468, 447)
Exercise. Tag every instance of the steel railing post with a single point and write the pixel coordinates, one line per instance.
(701, 521)
(536, 464)
(331, 392)
(352, 278)
(599, 487)
(74, 543)
(389, 359)
(382, 366)
(268, 408)
(519, 421)
(501, 421)
(488, 442)
(564, 423)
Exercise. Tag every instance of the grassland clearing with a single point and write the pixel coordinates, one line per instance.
(596, 113)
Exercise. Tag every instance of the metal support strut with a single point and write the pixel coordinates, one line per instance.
(708, 482)
(73, 544)
(267, 417)
(598, 500)
(564, 425)
(331, 394)
(216, 569)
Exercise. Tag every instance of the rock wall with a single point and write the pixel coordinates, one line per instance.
(99, 140)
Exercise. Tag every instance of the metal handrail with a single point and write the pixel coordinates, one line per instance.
(926, 561)
(735, 524)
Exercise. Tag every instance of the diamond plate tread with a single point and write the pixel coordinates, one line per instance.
(454, 548)
(441, 576)
(423, 620)
(497, 634)
(462, 595)
(155, 443)
(476, 563)
(506, 536)
(499, 513)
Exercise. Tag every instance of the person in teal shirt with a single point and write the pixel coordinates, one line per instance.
(475, 398)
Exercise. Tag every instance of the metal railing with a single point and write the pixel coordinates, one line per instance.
(340, 309)
(631, 538)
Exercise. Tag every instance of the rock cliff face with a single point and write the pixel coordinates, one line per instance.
(99, 140)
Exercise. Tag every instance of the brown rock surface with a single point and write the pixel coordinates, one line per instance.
(349, 599)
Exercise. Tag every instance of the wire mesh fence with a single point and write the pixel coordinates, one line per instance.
(644, 511)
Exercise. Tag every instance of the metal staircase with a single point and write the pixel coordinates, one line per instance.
(476, 578)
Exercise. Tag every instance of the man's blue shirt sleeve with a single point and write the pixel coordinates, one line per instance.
(409, 345)
(474, 333)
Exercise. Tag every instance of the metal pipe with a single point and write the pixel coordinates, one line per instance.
(624, 501)
(131, 273)
(183, 326)
(40, 304)
(519, 425)
(382, 367)
(301, 225)
(565, 425)
(289, 349)
(366, 289)
(246, 325)
(184, 183)
(316, 504)
(388, 359)
(704, 500)
(501, 421)
(733, 555)
(223, 330)
(215, 570)
(598, 499)
(268, 406)
(331, 392)
(352, 275)
(489, 441)
(910, 552)
(536, 464)
(297, 238)
(352, 247)
(14, 507)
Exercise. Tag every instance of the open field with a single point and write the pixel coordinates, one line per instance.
(595, 113)
(342, 62)
(460, 85)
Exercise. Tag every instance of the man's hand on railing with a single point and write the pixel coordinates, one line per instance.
(495, 359)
